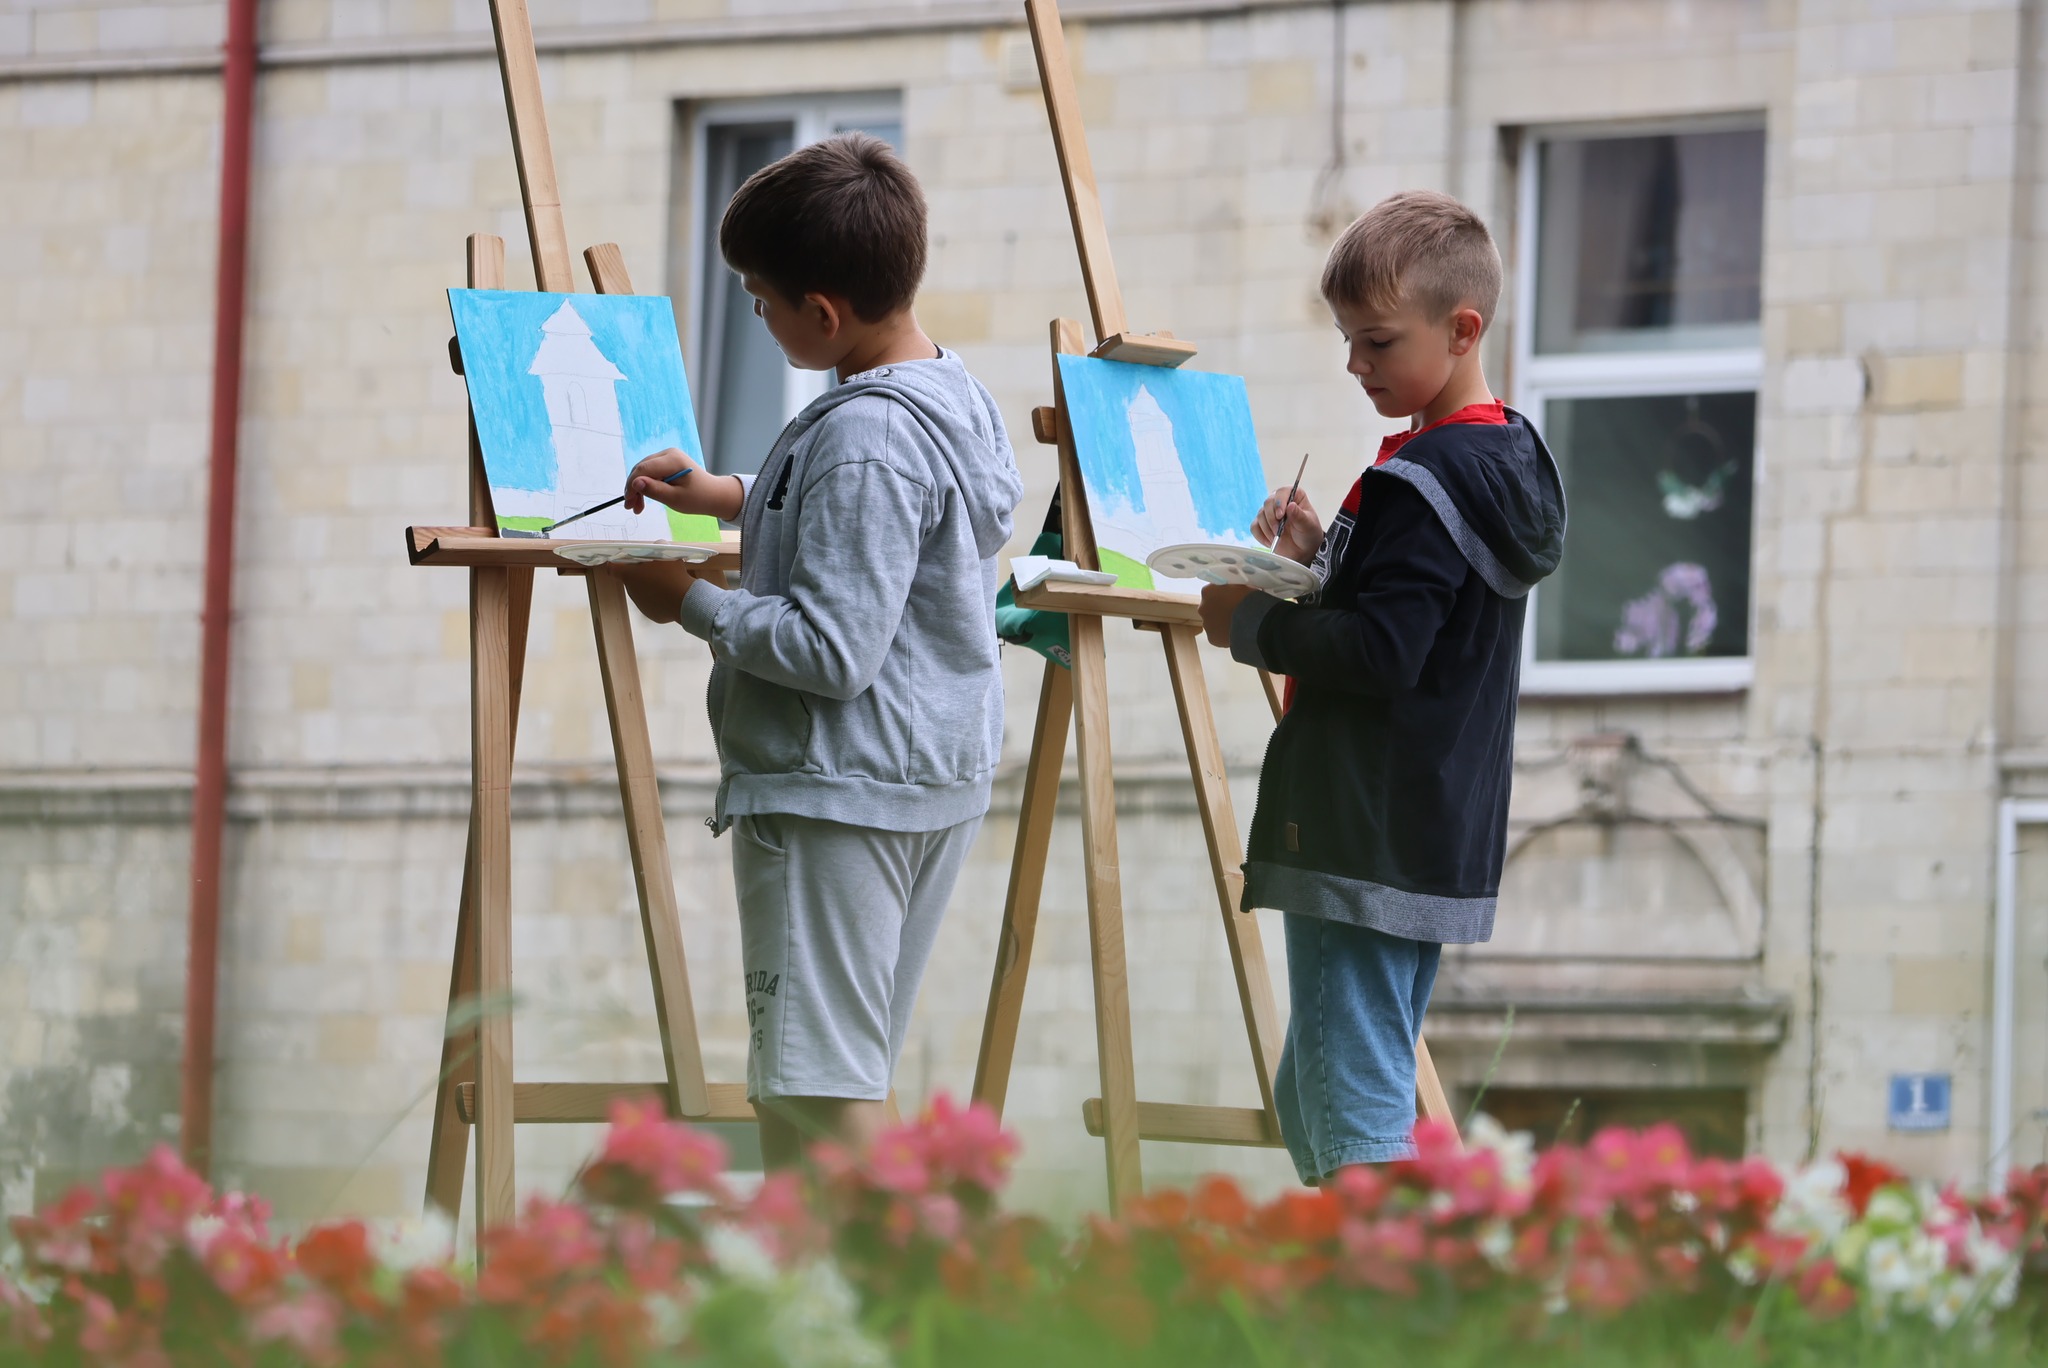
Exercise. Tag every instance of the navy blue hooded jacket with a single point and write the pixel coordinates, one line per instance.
(1384, 797)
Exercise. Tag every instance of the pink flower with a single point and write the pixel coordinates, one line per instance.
(242, 1266)
(897, 1162)
(646, 1156)
(967, 1145)
(308, 1323)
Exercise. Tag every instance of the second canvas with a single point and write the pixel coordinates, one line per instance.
(1168, 456)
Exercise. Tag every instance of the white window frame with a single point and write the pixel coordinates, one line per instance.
(813, 118)
(1537, 379)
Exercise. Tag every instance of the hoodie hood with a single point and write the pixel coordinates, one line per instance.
(966, 430)
(1497, 491)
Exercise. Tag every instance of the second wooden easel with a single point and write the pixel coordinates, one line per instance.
(1081, 696)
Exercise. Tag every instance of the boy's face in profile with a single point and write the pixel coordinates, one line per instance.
(808, 329)
(1402, 358)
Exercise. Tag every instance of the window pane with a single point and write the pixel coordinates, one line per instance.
(1650, 242)
(744, 375)
(1656, 564)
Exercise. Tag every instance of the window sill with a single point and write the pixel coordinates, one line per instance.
(1624, 678)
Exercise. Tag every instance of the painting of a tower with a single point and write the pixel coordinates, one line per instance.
(568, 391)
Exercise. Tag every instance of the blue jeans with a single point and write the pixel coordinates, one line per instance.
(1346, 1090)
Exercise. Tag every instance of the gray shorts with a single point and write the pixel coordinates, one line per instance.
(836, 925)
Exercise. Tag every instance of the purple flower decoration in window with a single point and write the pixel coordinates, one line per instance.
(1682, 601)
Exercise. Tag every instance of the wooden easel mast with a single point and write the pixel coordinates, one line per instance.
(1082, 697)
(476, 1087)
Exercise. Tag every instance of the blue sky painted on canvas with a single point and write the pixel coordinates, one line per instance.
(1212, 431)
(500, 332)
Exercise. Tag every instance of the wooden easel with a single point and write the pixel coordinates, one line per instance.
(476, 1083)
(1082, 696)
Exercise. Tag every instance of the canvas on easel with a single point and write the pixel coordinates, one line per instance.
(569, 392)
(1076, 424)
(1167, 456)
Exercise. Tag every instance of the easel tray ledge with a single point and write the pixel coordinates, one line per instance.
(481, 546)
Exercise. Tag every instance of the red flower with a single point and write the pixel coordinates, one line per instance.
(1864, 1176)
(338, 1255)
(1823, 1290)
(1219, 1201)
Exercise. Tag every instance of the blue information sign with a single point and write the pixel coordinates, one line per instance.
(1919, 1102)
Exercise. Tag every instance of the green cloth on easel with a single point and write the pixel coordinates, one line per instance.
(1035, 628)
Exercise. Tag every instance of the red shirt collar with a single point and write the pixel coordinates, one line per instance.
(1493, 414)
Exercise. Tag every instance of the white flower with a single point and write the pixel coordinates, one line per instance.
(739, 1256)
(1948, 1305)
(1517, 1149)
(1684, 1202)
(816, 1324)
(1496, 1241)
(670, 1317)
(1891, 1206)
(413, 1242)
(201, 1231)
(1812, 1204)
(1884, 1265)
(1986, 1255)
(2007, 1288)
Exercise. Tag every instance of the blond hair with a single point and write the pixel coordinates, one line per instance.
(1419, 247)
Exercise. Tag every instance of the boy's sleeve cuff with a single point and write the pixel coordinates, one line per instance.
(1244, 629)
(699, 612)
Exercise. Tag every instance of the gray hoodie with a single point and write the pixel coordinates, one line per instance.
(856, 677)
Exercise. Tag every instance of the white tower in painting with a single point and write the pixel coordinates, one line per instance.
(580, 385)
(1169, 503)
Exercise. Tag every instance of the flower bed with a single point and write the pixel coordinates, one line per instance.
(1627, 1251)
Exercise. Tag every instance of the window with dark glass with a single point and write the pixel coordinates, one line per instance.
(745, 391)
(1640, 365)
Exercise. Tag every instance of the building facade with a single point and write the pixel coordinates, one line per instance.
(1776, 284)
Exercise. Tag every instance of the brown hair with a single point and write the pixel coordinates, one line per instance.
(1419, 247)
(839, 217)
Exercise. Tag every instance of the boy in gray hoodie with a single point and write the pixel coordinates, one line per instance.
(855, 696)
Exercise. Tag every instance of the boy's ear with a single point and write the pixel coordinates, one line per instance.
(1466, 326)
(828, 312)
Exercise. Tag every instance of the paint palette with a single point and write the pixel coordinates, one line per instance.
(633, 552)
(1224, 563)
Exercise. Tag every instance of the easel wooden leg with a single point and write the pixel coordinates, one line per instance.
(1027, 883)
(448, 1153)
(1226, 857)
(1429, 1089)
(491, 820)
(647, 840)
(1105, 911)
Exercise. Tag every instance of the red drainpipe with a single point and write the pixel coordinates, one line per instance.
(209, 791)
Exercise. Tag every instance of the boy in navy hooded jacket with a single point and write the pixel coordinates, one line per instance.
(1381, 824)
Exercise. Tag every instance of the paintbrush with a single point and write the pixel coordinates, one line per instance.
(599, 508)
(1280, 528)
